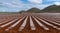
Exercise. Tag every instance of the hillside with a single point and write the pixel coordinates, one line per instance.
(52, 9)
(36, 10)
(49, 9)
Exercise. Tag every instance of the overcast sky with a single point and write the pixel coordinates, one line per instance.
(16, 5)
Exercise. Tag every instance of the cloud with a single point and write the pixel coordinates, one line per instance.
(52, 0)
(17, 5)
(57, 3)
(35, 1)
(12, 3)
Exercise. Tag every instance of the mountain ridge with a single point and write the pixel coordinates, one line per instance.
(49, 9)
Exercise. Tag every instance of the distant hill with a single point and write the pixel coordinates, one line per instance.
(52, 9)
(22, 11)
(49, 9)
(35, 10)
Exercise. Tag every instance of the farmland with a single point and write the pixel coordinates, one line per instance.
(30, 23)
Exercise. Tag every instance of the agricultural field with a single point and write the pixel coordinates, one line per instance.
(30, 23)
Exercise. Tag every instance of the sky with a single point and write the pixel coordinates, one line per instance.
(18, 5)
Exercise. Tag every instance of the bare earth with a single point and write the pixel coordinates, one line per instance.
(30, 23)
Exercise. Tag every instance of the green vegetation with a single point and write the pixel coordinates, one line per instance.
(8, 12)
(35, 10)
(52, 9)
(49, 9)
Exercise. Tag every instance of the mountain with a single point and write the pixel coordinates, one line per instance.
(49, 9)
(52, 9)
(22, 11)
(35, 10)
